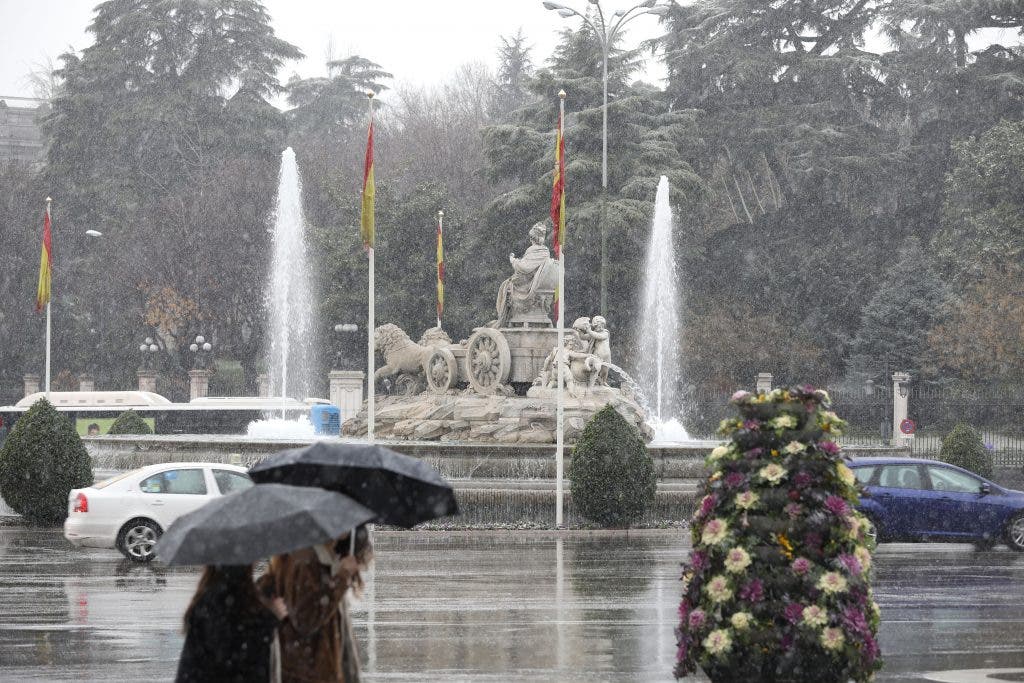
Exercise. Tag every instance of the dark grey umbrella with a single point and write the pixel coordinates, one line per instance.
(261, 521)
(402, 491)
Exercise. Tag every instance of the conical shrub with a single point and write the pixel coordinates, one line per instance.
(612, 473)
(129, 422)
(963, 447)
(777, 587)
(41, 461)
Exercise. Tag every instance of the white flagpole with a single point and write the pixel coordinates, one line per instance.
(440, 234)
(370, 383)
(47, 379)
(560, 410)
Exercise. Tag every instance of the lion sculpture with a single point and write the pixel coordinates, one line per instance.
(401, 354)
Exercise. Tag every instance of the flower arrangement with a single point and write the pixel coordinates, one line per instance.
(778, 583)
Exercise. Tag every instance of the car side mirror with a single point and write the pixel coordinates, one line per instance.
(985, 489)
(865, 493)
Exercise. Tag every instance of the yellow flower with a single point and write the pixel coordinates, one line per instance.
(718, 589)
(736, 560)
(718, 641)
(787, 547)
(846, 475)
(784, 421)
(832, 582)
(832, 638)
(741, 620)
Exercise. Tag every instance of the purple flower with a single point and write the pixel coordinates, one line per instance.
(813, 540)
(793, 612)
(708, 504)
(836, 505)
(752, 425)
(802, 479)
(754, 453)
(681, 652)
(851, 563)
(753, 591)
(829, 447)
(854, 622)
(800, 566)
(698, 561)
(870, 648)
(734, 479)
(794, 510)
(684, 610)
(697, 619)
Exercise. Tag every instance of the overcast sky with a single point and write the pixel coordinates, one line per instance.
(419, 41)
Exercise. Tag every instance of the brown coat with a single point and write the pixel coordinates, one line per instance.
(316, 641)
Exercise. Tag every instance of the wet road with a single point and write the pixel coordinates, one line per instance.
(488, 606)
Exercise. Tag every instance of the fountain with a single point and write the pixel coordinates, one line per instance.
(660, 329)
(290, 299)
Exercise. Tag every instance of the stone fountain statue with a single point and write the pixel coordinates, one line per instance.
(500, 384)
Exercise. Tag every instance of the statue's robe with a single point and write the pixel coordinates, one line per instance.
(516, 289)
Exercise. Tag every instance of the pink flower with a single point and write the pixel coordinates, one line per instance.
(697, 619)
(830, 447)
(836, 505)
(794, 510)
(800, 566)
(851, 563)
(739, 395)
(752, 425)
(707, 504)
(802, 479)
(734, 479)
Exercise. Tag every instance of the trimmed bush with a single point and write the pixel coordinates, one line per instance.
(963, 447)
(129, 422)
(612, 473)
(41, 461)
(778, 586)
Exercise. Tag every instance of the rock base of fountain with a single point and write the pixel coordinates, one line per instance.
(468, 416)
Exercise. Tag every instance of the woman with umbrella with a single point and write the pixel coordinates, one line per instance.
(317, 642)
(229, 628)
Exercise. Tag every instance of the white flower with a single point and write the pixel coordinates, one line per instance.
(741, 620)
(772, 473)
(784, 421)
(832, 582)
(815, 616)
(714, 531)
(746, 500)
(832, 638)
(719, 452)
(718, 589)
(846, 475)
(718, 641)
(794, 447)
(863, 556)
(736, 560)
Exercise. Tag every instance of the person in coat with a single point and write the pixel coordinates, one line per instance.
(317, 645)
(229, 629)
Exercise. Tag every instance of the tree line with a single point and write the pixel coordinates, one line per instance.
(846, 177)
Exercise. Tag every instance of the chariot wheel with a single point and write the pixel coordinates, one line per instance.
(441, 370)
(488, 360)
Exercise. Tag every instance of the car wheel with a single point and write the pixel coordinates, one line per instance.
(138, 539)
(1015, 532)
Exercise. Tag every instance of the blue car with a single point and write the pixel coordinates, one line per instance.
(912, 499)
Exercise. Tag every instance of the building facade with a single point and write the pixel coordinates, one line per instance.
(21, 138)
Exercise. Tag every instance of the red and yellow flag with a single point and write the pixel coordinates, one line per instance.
(558, 202)
(366, 214)
(45, 265)
(440, 266)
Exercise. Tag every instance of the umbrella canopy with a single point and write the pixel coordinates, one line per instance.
(402, 491)
(261, 521)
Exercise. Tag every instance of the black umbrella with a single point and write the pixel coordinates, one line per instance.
(402, 491)
(261, 521)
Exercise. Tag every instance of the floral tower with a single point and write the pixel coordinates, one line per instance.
(778, 584)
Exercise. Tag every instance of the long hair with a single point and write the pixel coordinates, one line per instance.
(232, 581)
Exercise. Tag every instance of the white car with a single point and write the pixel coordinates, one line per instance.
(130, 511)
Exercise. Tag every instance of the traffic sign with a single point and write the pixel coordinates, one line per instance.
(907, 426)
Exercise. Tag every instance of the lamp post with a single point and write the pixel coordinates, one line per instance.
(606, 33)
(148, 349)
(202, 349)
(199, 375)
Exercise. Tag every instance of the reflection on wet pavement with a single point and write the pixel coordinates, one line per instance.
(487, 606)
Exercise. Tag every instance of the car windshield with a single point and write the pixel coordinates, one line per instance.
(116, 478)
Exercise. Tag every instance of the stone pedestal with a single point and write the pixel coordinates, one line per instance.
(899, 410)
(147, 380)
(263, 385)
(347, 391)
(198, 384)
(763, 382)
(86, 382)
(31, 384)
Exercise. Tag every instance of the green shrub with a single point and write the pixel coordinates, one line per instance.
(129, 422)
(963, 447)
(612, 474)
(41, 461)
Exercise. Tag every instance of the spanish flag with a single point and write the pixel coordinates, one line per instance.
(440, 266)
(558, 202)
(366, 214)
(45, 264)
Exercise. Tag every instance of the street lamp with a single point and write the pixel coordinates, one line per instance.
(148, 349)
(606, 33)
(202, 349)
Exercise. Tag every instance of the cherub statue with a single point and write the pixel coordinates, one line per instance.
(600, 346)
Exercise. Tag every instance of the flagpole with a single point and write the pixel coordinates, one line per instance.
(560, 410)
(371, 388)
(47, 377)
(440, 258)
